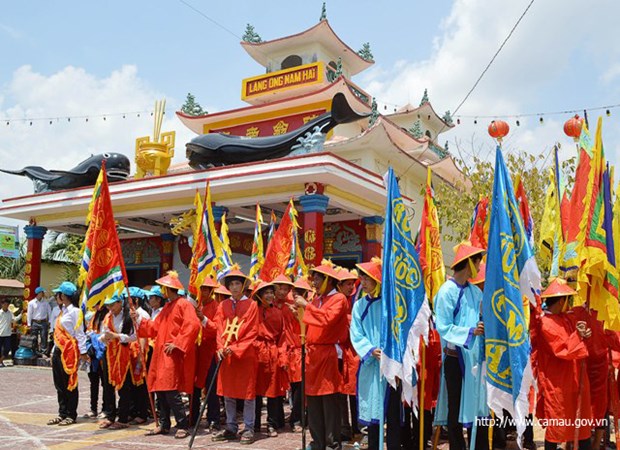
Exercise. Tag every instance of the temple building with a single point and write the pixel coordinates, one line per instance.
(338, 190)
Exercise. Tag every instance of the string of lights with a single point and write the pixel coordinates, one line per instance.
(84, 117)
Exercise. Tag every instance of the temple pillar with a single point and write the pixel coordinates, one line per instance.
(167, 252)
(314, 205)
(374, 237)
(32, 275)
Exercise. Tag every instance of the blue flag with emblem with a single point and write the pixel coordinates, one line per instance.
(405, 309)
(512, 281)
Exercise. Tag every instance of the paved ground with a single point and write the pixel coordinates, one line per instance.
(28, 401)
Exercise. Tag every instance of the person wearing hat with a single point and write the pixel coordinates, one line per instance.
(221, 293)
(140, 349)
(156, 301)
(327, 325)
(69, 350)
(457, 310)
(117, 333)
(172, 367)
(271, 351)
(205, 356)
(6, 324)
(561, 349)
(39, 313)
(347, 285)
(239, 364)
(283, 287)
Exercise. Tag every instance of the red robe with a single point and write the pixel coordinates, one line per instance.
(208, 344)
(271, 351)
(178, 324)
(560, 353)
(350, 359)
(292, 331)
(326, 318)
(237, 374)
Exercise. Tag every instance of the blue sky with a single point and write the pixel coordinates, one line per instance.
(76, 58)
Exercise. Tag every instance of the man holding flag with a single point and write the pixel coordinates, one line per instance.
(457, 309)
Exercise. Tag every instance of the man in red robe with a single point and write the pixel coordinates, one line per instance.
(562, 380)
(326, 318)
(175, 330)
(271, 349)
(205, 355)
(292, 331)
(237, 328)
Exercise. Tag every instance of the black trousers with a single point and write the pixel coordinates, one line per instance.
(171, 401)
(324, 419)
(139, 400)
(95, 378)
(398, 433)
(296, 410)
(213, 402)
(125, 400)
(275, 413)
(428, 429)
(349, 423)
(109, 393)
(67, 400)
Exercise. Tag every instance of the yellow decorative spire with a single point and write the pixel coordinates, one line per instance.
(153, 157)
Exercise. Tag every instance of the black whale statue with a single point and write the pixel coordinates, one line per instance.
(217, 149)
(84, 174)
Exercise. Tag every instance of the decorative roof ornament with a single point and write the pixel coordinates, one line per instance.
(374, 113)
(339, 68)
(445, 147)
(323, 13)
(365, 52)
(251, 35)
(447, 117)
(153, 157)
(424, 97)
(416, 129)
(191, 107)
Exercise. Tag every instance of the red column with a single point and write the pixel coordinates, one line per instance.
(374, 237)
(167, 252)
(313, 204)
(32, 277)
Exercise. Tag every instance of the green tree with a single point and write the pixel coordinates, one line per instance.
(14, 268)
(250, 35)
(366, 53)
(191, 107)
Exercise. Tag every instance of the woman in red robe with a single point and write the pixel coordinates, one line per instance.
(175, 330)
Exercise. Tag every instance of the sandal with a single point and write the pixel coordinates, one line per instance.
(155, 431)
(55, 421)
(247, 437)
(137, 421)
(271, 432)
(105, 424)
(65, 422)
(181, 434)
(119, 426)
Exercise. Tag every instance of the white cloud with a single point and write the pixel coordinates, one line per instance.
(553, 40)
(62, 144)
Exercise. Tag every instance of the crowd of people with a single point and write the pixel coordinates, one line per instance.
(159, 353)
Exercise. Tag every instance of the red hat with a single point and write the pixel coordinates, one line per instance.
(464, 251)
(326, 268)
(221, 290)
(302, 283)
(558, 288)
(260, 285)
(235, 271)
(373, 268)
(344, 274)
(171, 280)
(480, 277)
(209, 282)
(282, 279)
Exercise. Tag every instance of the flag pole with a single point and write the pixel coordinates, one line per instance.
(302, 337)
(421, 405)
(582, 375)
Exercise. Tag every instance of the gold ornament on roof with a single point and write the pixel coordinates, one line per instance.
(153, 157)
(184, 222)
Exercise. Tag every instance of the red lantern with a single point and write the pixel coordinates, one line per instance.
(572, 127)
(185, 250)
(498, 129)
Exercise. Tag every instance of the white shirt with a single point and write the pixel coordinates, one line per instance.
(69, 319)
(118, 326)
(53, 316)
(6, 320)
(38, 310)
(156, 313)
(142, 313)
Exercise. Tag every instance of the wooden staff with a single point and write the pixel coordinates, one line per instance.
(582, 375)
(302, 337)
(421, 408)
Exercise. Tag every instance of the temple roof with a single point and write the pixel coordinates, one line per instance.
(410, 113)
(248, 114)
(321, 33)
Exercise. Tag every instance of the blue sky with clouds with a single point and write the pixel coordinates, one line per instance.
(76, 58)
